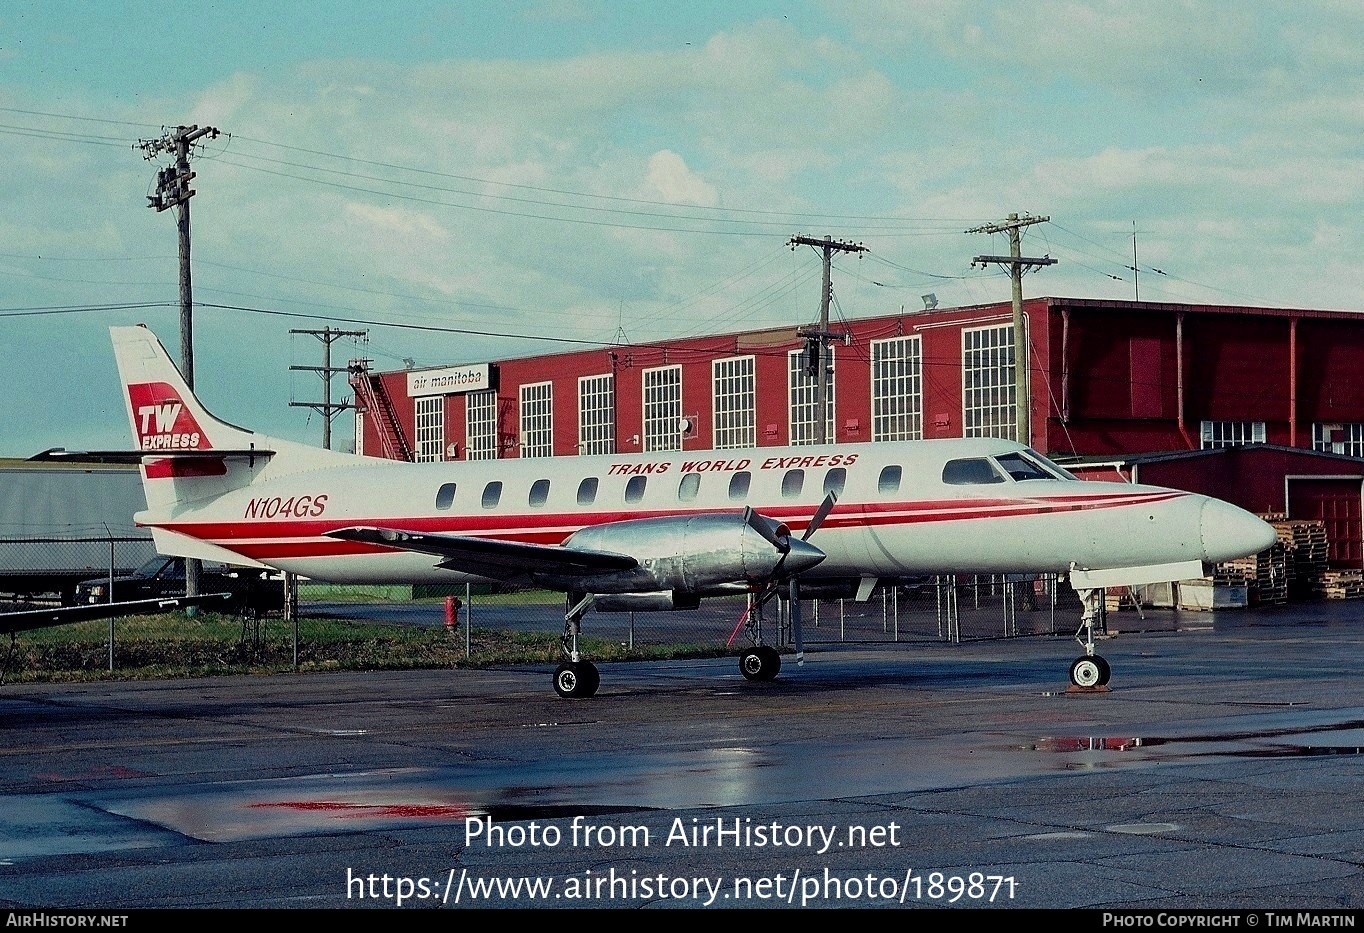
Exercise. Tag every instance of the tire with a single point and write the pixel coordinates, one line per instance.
(576, 680)
(760, 664)
(1089, 671)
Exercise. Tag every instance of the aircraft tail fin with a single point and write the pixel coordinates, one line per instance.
(189, 456)
(162, 410)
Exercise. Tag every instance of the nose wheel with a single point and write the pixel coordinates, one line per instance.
(1089, 671)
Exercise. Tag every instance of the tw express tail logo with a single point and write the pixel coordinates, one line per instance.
(161, 421)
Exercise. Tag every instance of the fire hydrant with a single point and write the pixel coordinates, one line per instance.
(452, 604)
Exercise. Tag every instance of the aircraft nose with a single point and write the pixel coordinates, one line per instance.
(1229, 532)
(802, 556)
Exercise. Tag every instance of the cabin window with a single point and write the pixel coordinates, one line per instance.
(492, 494)
(792, 483)
(687, 489)
(445, 496)
(634, 490)
(1020, 468)
(539, 492)
(889, 481)
(835, 480)
(970, 471)
(738, 485)
(587, 491)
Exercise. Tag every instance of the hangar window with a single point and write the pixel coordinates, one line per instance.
(663, 408)
(896, 390)
(492, 494)
(970, 471)
(445, 496)
(1347, 439)
(687, 489)
(733, 397)
(738, 485)
(430, 411)
(634, 490)
(539, 492)
(587, 491)
(802, 386)
(835, 480)
(989, 402)
(1231, 433)
(597, 414)
(480, 425)
(792, 483)
(889, 480)
(537, 420)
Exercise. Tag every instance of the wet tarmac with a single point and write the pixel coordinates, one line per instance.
(1224, 770)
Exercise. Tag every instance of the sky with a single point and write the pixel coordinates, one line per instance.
(475, 181)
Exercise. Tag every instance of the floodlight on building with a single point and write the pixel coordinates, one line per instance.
(930, 301)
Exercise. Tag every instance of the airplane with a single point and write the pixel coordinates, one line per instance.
(658, 530)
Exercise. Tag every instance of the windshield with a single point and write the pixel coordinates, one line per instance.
(1029, 464)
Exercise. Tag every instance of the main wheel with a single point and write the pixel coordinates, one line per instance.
(760, 663)
(1089, 671)
(576, 679)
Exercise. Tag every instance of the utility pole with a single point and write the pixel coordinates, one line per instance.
(816, 341)
(1016, 264)
(326, 407)
(173, 190)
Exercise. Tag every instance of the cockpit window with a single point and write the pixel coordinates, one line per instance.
(1022, 468)
(970, 471)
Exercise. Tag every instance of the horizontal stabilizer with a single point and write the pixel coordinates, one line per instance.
(486, 557)
(48, 618)
(61, 454)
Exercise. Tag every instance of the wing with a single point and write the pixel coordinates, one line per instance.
(509, 561)
(29, 619)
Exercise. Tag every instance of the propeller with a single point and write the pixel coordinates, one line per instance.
(779, 536)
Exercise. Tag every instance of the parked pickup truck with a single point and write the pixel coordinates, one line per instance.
(254, 591)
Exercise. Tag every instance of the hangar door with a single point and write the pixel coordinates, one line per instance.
(1336, 502)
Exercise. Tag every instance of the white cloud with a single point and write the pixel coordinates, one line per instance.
(669, 179)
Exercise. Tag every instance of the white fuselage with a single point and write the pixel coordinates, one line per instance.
(953, 508)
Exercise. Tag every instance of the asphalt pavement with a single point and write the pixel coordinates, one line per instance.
(1222, 771)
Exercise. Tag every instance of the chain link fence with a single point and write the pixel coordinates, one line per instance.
(948, 608)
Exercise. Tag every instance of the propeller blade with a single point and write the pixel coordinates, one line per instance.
(773, 532)
(797, 631)
(821, 513)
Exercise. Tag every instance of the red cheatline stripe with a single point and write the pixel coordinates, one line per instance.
(568, 522)
(267, 546)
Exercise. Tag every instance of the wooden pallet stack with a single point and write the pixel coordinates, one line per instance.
(1265, 575)
(1306, 548)
(1342, 584)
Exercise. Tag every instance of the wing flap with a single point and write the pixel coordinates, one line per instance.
(492, 558)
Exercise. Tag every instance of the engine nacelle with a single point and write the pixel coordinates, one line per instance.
(686, 554)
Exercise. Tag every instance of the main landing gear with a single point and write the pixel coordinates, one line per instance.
(575, 678)
(761, 662)
(1089, 671)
